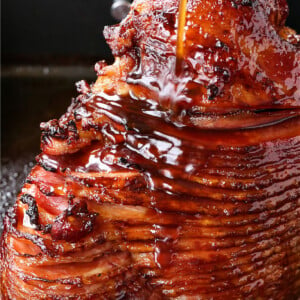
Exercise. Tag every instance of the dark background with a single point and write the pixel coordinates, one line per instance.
(55, 31)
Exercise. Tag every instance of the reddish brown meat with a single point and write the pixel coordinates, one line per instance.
(159, 184)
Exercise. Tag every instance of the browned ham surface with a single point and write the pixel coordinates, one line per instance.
(168, 178)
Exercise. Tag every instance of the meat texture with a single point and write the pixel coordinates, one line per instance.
(170, 178)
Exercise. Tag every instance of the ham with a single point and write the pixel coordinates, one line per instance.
(167, 183)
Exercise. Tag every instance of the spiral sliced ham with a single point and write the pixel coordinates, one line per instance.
(167, 184)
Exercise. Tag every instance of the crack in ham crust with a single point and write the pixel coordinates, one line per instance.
(153, 186)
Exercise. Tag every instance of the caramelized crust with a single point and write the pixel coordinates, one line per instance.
(165, 185)
(238, 55)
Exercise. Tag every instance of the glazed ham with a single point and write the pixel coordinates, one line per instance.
(170, 177)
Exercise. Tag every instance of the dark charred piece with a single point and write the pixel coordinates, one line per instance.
(158, 184)
(73, 224)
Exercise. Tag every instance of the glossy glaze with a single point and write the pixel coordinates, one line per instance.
(157, 184)
(235, 55)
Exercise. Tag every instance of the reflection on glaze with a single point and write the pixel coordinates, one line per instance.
(157, 184)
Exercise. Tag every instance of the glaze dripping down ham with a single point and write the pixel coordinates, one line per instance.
(157, 184)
